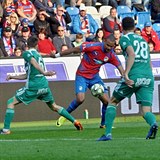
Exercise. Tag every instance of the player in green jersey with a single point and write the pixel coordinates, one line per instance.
(138, 79)
(36, 87)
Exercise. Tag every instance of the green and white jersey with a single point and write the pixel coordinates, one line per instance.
(141, 64)
(35, 80)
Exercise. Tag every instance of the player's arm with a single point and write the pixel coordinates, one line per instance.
(130, 60)
(40, 69)
(67, 52)
(18, 77)
(129, 64)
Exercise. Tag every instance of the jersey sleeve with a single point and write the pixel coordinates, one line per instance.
(114, 60)
(89, 46)
(27, 56)
(124, 42)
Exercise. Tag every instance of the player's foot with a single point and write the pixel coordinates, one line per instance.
(60, 121)
(102, 126)
(152, 132)
(3, 131)
(78, 125)
(105, 138)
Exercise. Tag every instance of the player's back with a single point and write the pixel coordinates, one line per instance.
(35, 79)
(141, 64)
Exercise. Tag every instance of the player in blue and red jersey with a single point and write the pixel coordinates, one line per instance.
(95, 55)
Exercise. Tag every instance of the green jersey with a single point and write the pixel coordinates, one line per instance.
(141, 64)
(35, 80)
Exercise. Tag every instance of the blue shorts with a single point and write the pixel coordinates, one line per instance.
(82, 83)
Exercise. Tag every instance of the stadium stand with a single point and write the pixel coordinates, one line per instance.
(122, 9)
(142, 18)
(104, 11)
(127, 14)
(156, 27)
(73, 11)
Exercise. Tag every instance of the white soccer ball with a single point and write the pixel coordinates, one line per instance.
(97, 90)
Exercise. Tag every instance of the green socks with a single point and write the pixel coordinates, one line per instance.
(110, 116)
(65, 114)
(8, 118)
(150, 118)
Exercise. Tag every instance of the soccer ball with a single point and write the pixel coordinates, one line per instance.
(97, 90)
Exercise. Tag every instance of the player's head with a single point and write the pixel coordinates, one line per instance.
(32, 42)
(109, 42)
(128, 24)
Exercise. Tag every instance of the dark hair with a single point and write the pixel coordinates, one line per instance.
(137, 29)
(32, 41)
(113, 8)
(79, 35)
(99, 29)
(128, 23)
(42, 30)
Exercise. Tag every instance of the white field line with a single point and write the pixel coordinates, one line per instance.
(66, 139)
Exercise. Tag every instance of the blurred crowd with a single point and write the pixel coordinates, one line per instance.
(58, 30)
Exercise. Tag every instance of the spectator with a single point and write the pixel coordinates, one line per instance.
(61, 18)
(137, 31)
(113, 3)
(155, 10)
(74, 3)
(18, 52)
(22, 40)
(26, 9)
(13, 22)
(151, 36)
(61, 39)
(1, 15)
(144, 3)
(41, 22)
(79, 40)
(24, 23)
(46, 5)
(117, 36)
(45, 46)
(8, 7)
(99, 37)
(84, 23)
(64, 47)
(151, 46)
(7, 43)
(111, 22)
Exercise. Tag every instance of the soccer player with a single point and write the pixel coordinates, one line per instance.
(36, 87)
(95, 55)
(138, 80)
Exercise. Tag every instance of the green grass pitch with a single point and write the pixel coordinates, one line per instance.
(44, 141)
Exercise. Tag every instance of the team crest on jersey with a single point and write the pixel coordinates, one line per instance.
(95, 52)
(105, 59)
(124, 43)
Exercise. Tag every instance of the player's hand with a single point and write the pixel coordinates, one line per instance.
(128, 81)
(49, 73)
(8, 77)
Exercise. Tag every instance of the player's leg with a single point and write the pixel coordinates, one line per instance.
(62, 111)
(9, 115)
(105, 100)
(151, 120)
(80, 89)
(121, 91)
(144, 96)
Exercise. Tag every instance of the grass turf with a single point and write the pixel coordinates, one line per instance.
(44, 141)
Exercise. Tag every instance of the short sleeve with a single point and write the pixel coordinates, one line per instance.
(124, 42)
(27, 56)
